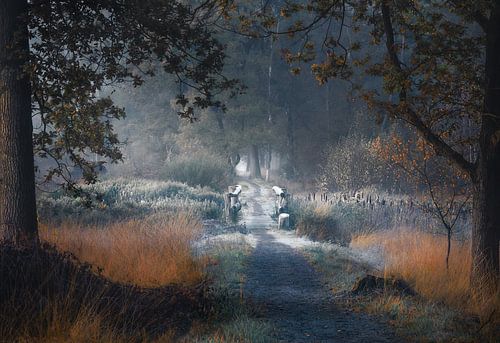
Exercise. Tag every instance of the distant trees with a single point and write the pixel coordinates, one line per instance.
(438, 61)
(279, 114)
(54, 58)
(351, 164)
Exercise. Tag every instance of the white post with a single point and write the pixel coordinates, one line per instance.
(284, 221)
(233, 201)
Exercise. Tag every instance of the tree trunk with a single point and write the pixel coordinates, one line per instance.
(485, 234)
(253, 161)
(18, 223)
(290, 131)
(268, 160)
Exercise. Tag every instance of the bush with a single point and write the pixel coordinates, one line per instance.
(199, 170)
(324, 222)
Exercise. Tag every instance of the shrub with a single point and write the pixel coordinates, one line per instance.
(199, 170)
(314, 222)
(326, 222)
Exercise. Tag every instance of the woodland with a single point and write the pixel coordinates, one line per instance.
(127, 127)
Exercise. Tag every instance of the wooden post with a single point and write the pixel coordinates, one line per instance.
(281, 199)
(233, 204)
(284, 221)
(232, 201)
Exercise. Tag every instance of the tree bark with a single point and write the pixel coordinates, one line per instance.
(18, 222)
(290, 134)
(253, 161)
(486, 229)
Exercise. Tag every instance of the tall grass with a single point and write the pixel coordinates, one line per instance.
(419, 258)
(336, 223)
(149, 253)
(132, 281)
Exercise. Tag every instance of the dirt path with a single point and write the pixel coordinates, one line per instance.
(293, 298)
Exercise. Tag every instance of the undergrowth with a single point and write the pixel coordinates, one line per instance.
(199, 169)
(323, 222)
(326, 217)
(49, 296)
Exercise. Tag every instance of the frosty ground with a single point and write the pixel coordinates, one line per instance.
(291, 296)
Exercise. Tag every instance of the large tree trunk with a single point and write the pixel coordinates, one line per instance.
(253, 162)
(485, 234)
(18, 223)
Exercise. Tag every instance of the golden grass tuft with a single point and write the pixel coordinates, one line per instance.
(420, 259)
(149, 252)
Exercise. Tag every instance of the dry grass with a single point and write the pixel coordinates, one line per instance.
(149, 253)
(149, 287)
(419, 258)
(88, 326)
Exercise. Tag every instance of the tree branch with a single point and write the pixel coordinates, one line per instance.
(439, 145)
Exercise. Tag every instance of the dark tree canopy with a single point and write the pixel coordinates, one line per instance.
(79, 47)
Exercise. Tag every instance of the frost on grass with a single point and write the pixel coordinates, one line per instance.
(209, 243)
(128, 198)
(338, 217)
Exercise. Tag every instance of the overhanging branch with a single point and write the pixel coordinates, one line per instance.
(438, 144)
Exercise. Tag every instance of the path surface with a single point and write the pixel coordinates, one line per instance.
(290, 292)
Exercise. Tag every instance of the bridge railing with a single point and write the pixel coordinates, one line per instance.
(281, 207)
(232, 202)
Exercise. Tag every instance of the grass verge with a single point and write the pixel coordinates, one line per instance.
(47, 296)
(234, 318)
(419, 258)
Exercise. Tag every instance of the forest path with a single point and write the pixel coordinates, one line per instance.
(291, 294)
